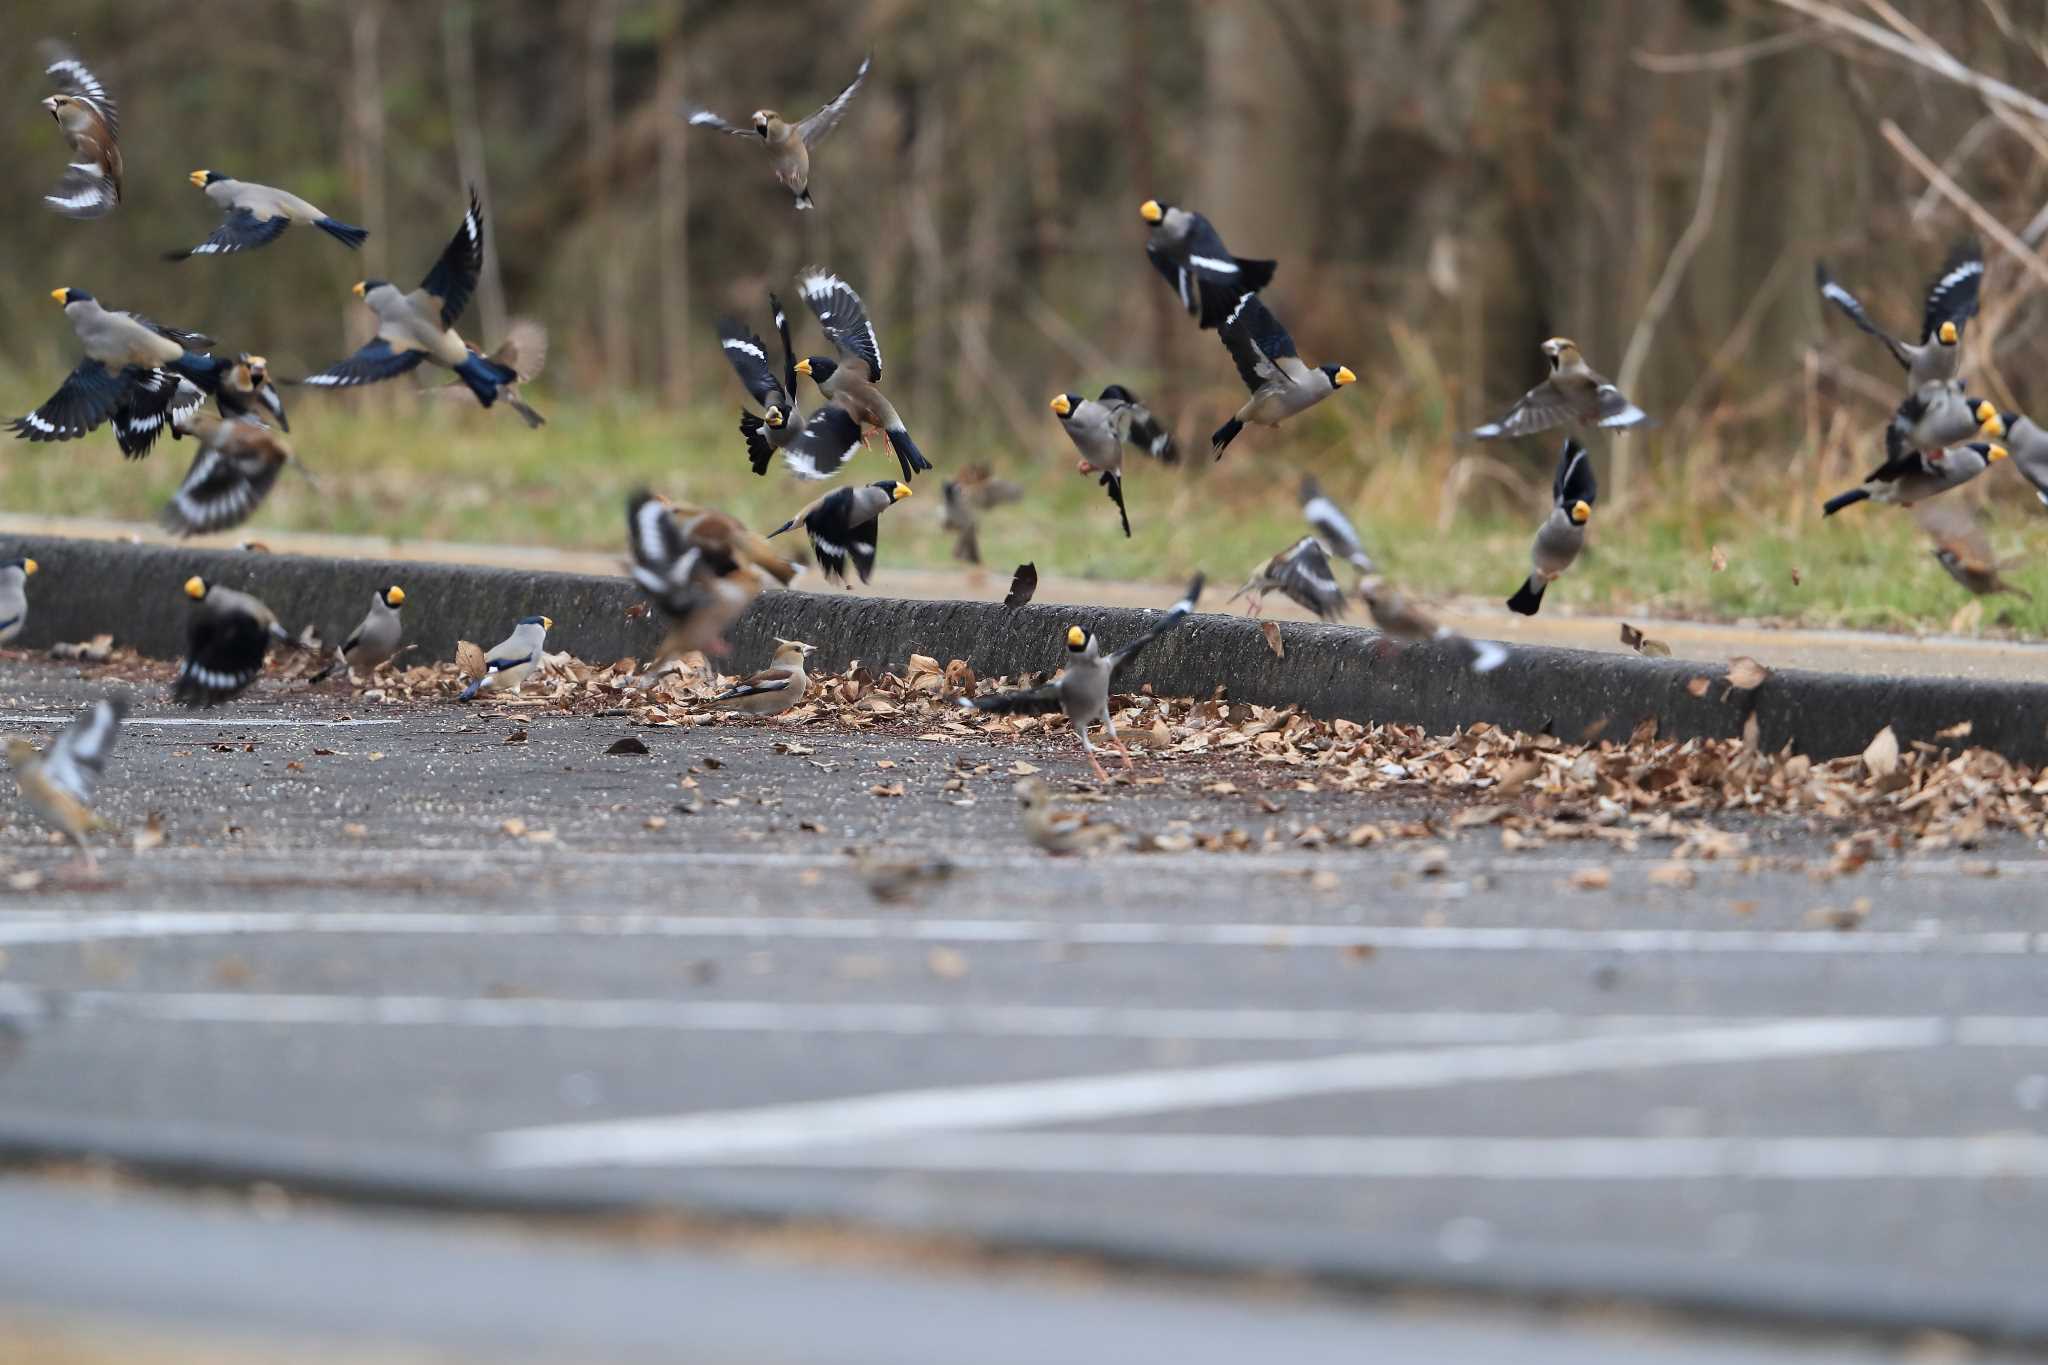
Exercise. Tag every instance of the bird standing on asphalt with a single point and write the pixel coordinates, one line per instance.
(1563, 533)
(524, 351)
(1100, 428)
(92, 125)
(1951, 303)
(1302, 574)
(852, 382)
(257, 215)
(775, 688)
(1332, 527)
(1571, 393)
(842, 525)
(780, 420)
(1189, 253)
(1404, 621)
(374, 642)
(790, 144)
(239, 460)
(1272, 369)
(1060, 832)
(421, 325)
(1964, 551)
(58, 785)
(226, 641)
(1082, 689)
(130, 372)
(510, 661)
(14, 575)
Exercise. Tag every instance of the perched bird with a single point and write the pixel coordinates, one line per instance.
(1571, 393)
(852, 381)
(1563, 533)
(257, 215)
(1951, 302)
(790, 144)
(91, 185)
(524, 351)
(1271, 368)
(2028, 442)
(1057, 831)
(1402, 620)
(14, 575)
(512, 658)
(58, 785)
(775, 688)
(699, 568)
(1189, 253)
(1082, 689)
(1964, 551)
(375, 639)
(239, 459)
(1332, 527)
(974, 490)
(843, 523)
(780, 421)
(1100, 428)
(130, 372)
(226, 641)
(1919, 459)
(1302, 574)
(421, 325)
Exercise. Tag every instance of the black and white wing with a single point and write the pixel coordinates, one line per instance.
(223, 654)
(1256, 341)
(241, 230)
(1031, 701)
(1852, 308)
(1303, 573)
(1170, 618)
(814, 129)
(1542, 408)
(220, 490)
(86, 398)
(828, 440)
(788, 351)
(1136, 426)
(453, 278)
(79, 756)
(844, 318)
(750, 362)
(1952, 297)
(71, 77)
(148, 402)
(1332, 527)
(1574, 481)
(375, 362)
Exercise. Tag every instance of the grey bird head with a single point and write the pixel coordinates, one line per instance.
(203, 178)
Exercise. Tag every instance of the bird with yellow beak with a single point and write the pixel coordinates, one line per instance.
(14, 576)
(1951, 302)
(1563, 533)
(1282, 386)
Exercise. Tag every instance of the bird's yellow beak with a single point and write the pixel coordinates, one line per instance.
(899, 492)
(198, 179)
(1996, 453)
(1060, 404)
(1948, 334)
(774, 418)
(1993, 424)
(1076, 637)
(60, 295)
(547, 623)
(1150, 211)
(195, 587)
(28, 566)
(804, 366)
(395, 597)
(1582, 511)
(1344, 376)
(358, 289)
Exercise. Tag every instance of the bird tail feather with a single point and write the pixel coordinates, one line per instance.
(804, 200)
(907, 454)
(484, 375)
(526, 412)
(347, 234)
(1841, 500)
(1254, 275)
(759, 453)
(1528, 597)
(1224, 435)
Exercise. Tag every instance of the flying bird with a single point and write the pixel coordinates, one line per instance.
(843, 523)
(59, 784)
(780, 421)
(1563, 533)
(421, 325)
(1101, 427)
(130, 373)
(1951, 303)
(790, 144)
(91, 185)
(1570, 393)
(853, 382)
(1332, 527)
(1189, 253)
(1302, 574)
(1922, 457)
(1407, 622)
(257, 215)
(524, 351)
(1964, 551)
(699, 568)
(238, 461)
(1272, 369)
(226, 641)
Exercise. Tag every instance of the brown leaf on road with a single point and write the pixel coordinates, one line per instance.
(1592, 879)
(1746, 674)
(1675, 875)
(893, 789)
(1881, 759)
(516, 737)
(631, 744)
(469, 659)
(1271, 630)
(949, 964)
(1643, 644)
(1698, 686)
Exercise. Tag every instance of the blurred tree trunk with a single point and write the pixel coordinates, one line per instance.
(601, 29)
(672, 209)
(365, 152)
(459, 61)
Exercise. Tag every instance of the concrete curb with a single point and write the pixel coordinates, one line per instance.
(133, 591)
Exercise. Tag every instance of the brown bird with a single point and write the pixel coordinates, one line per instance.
(699, 568)
(1570, 393)
(790, 144)
(1405, 621)
(239, 460)
(91, 185)
(524, 351)
(1060, 831)
(853, 382)
(1962, 548)
(58, 785)
(775, 688)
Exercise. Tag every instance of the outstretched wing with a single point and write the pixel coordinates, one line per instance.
(146, 407)
(524, 350)
(704, 118)
(1852, 308)
(79, 756)
(1041, 700)
(750, 362)
(844, 318)
(1574, 481)
(239, 231)
(223, 488)
(1255, 340)
(84, 191)
(828, 440)
(1953, 295)
(71, 77)
(453, 278)
(1172, 617)
(373, 363)
(1540, 409)
(1136, 426)
(814, 129)
(1305, 576)
(86, 398)
(788, 351)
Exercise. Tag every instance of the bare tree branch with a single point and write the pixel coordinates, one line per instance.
(1955, 194)
(1931, 56)
(1724, 58)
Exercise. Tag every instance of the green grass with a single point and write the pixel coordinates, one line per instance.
(390, 465)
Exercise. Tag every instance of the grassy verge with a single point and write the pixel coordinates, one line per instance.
(390, 465)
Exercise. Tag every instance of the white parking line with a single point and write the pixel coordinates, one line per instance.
(731, 1137)
(76, 928)
(2007, 1156)
(59, 718)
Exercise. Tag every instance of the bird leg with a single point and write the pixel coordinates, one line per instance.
(1114, 738)
(1084, 468)
(1089, 749)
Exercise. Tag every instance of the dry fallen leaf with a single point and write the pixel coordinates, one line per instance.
(893, 789)
(1023, 584)
(1022, 769)
(1592, 879)
(1960, 730)
(1634, 639)
(1746, 674)
(1271, 630)
(1698, 686)
(1881, 759)
(947, 963)
(513, 826)
(1675, 875)
(151, 835)
(469, 659)
(631, 744)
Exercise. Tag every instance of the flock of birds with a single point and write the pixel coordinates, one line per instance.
(700, 568)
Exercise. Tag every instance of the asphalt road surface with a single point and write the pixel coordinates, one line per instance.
(340, 970)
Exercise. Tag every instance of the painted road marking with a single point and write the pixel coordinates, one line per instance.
(2005, 1156)
(59, 718)
(78, 928)
(727, 1137)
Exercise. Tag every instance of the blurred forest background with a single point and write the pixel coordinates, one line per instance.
(1445, 183)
